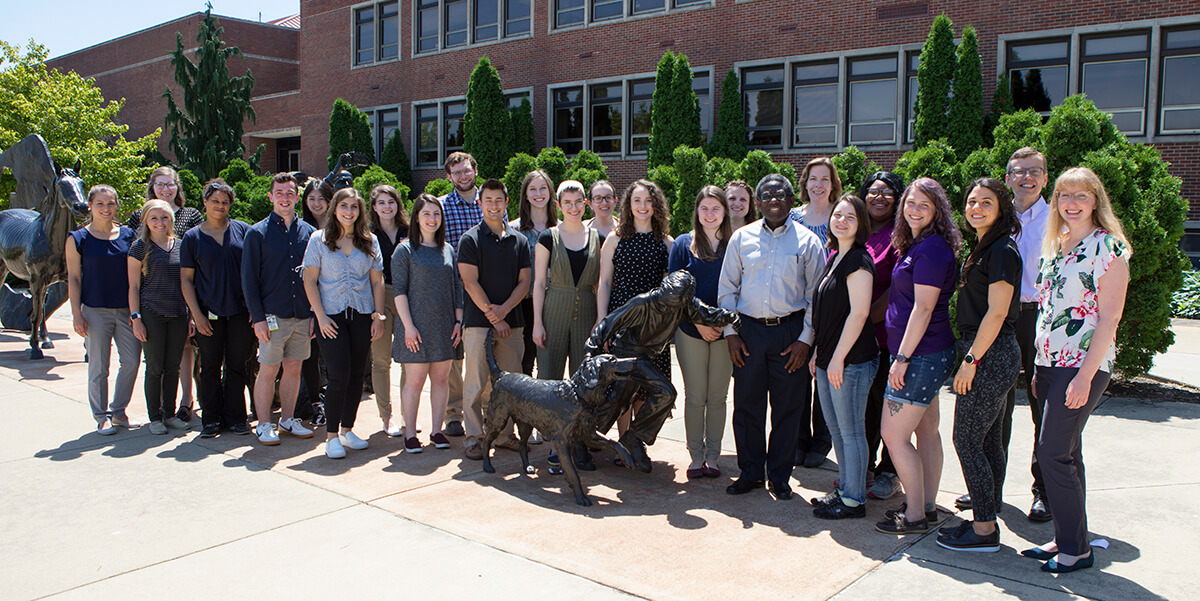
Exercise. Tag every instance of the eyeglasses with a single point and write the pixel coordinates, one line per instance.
(607, 198)
(461, 172)
(881, 193)
(1031, 172)
(166, 186)
(1077, 197)
(780, 197)
(572, 203)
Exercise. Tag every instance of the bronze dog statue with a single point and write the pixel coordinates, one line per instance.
(563, 410)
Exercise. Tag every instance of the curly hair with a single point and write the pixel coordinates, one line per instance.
(360, 232)
(1007, 223)
(660, 220)
(943, 218)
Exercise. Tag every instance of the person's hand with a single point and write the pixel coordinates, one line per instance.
(456, 335)
(737, 350)
(191, 328)
(539, 335)
(412, 339)
(489, 311)
(377, 329)
(812, 365)
(139, 330)
(797, 354)
(312, 327)
(896, 375)
(202, 326)
(709, 333)
(503, 330)
(964, 378)
(262, 332)
(836, 372)
(327, 327)
(1077, 392)
(80, 324)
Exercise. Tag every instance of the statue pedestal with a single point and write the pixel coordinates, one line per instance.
(15, 304)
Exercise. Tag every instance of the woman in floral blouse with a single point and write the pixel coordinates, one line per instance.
(1083, 276)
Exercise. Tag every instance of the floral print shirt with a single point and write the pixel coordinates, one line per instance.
(1068, 311)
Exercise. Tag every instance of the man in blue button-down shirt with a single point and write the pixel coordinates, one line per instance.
(769, 275)
(274, 288)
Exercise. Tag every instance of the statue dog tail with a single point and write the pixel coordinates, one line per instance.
(491, 356)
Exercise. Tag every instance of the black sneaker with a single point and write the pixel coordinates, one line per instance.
(930, 516)
(899, 525)
(840, 511)
(830, 498)
(210, 430)
(318, 414)
(240, 429)
(184, 413)
(964, 538)
(454, 428)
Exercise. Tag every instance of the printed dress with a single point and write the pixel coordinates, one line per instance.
(639, 264)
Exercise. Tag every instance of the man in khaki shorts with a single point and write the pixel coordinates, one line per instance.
(271, 256)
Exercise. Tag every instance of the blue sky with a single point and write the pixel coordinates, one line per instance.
(75, 24)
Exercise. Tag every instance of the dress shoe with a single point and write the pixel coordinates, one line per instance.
(963, 503)
(1054, 567)
(694, 473)
(1040, 512)
(1039, 554)
(840, 511)
(780, 491)
(742, 486)
(814, 459)
(711, 471)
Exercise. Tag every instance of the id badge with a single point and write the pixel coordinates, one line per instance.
(272, 323)
(212, 316)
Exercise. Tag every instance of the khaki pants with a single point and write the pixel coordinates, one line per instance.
(477, 382)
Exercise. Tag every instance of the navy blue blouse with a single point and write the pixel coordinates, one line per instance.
(104, 268)
(706, 273)
(218, 275)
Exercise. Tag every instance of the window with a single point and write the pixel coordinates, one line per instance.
(1115, 71)
(1037, 73)
(814, 99)
(614, 117)
(427, 135)
(377, 33)
(1180, 108)
(387, 122)
(452, 130)
(514, 99)
(448, 24)
(913, 60)
(573, 13)
(872, 101)
(762, 97)
(437, 127)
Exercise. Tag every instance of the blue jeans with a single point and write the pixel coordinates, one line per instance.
(845, 413)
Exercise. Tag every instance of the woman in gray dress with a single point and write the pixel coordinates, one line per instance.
(428, 291)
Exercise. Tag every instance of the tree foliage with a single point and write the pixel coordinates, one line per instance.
(758, 164)
(690, 168)
(587, 168)
(523, 134)
(375, 175)
(1002, 104)
(206, 131)
(554, 162)
(933, 82)
(966, 106)
(853, 168)
(252, 191)
(514, 174)
(487, 125)
(349, 131)
(730, 139)
(395, 159)
(674, 110)
(71, 114)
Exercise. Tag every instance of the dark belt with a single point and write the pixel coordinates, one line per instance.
(774, 321)
(1032, 305)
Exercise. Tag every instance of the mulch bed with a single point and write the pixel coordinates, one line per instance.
(1153, 389)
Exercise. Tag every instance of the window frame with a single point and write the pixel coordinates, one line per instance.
(813, 82)
(443, 150)
(439, 8)
(1163, 55)
(852, 79)
(377, 25)
(1144, 56)
(627, 13)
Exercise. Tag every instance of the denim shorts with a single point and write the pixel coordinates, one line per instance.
(924, 377)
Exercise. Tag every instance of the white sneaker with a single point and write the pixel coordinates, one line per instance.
(266, 434)
(334, 449)
(394, 431)
(350, 439)
(535, 438)
(293, 426)
(178, 424)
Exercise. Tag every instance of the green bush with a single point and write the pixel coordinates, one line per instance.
(674, 110)
(1186, 301)
(395, 160)
(690, 167)
(758, 164)
(853, 168)
(1016, 130)
(933, 81)
(349, 131)
(487, 124)
(935, 160)
(667, 180)
(439, 187)
(553, 161)
(965, 128)
(730, 139)
(252, 191)
(375, 175)
(193, 189)
(722, 170)
(587, 168)
(523, 134)
(519, 165)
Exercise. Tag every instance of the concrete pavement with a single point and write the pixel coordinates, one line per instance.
(140, 516)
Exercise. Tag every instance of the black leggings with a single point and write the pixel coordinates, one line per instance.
(346, 358)
(874, 417)
(165, 338)
(979, 424)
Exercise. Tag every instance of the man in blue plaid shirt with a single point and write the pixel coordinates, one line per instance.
(461, 211)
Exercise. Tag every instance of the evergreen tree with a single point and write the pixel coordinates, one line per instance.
(689, 133)
(1036, 96)
(662, 113)
(206, 131)
(730, 140)
(853, 167)
(349, 131)
(690, 167)
(933, 82)
(966, 106)
(1018, 91)
(395, 160)
(487, 125)
(523, 134)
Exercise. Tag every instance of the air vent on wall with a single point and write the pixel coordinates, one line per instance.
(902, 11)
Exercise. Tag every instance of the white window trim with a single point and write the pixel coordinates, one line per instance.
(626, 16)
(500, 39)
(375, 62)
(626, 121)
(373, 117)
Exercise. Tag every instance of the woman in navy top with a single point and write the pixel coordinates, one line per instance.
(702, 350)
(98, 286)
(210, 262)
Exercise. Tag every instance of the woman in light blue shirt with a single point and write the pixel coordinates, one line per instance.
(343, 278)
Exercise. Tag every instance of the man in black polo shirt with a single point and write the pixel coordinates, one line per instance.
(493, 260)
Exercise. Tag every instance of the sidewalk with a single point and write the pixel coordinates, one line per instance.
(1180, 363)
(136, 516)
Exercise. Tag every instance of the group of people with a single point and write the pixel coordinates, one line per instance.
(851, 292)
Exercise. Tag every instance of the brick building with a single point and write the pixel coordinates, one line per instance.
(137, 67)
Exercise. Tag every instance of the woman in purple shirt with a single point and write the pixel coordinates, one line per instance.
(921, 342)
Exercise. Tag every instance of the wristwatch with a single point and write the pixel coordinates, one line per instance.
(902, 358)
(135, 315)
(970, 359)
(379, 316)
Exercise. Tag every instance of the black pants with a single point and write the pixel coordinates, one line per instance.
(223, 399)
(531, 349)
(762, 381)
(875, 419)
(346, 358)
(977, 424)
(1060, 454)
(310, 378)
(1026, 332)
(163, 349)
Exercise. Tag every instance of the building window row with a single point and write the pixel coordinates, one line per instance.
(613, 116)
(377, 33)
(446, 24)
(578, 13)
(438, 127)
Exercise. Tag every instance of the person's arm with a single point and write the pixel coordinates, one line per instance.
(379, 319)
(858, 286)
(1110, 306)
(541, 265)
(75, 287)
(459, 301)
(251, 286)
(999, 300)
(134, 267)
(187, 282)
(728, 291)
(604, 287)
(813, 255)
(924, 300)
(312, 286)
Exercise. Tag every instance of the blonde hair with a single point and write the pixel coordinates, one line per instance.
(144, 229)
(1102, 217)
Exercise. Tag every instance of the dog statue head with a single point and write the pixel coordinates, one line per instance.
(601, 370)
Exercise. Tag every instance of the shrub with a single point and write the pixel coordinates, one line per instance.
(758, 164)
(674, 110)
(730, 139)
(395, 160)
(933, 81)
(668, 180)
(523, 139)
(587, 168)
(690, 167)
(553, 161)
(1186, 301)
(935, 160)
(853, 168)
(375, 175)
(193, 189)
(487, 125)
(721, 170)
(349, 131)
(965, 126)
(519, 165)
(439, 187)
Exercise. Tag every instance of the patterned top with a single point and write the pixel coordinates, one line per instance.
(639, 264)
(1068, 312)
(159, 290)
(344, 281)
(460, 216)
(186, 218)
(822, 231)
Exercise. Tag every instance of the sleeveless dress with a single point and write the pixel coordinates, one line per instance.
(639, 264)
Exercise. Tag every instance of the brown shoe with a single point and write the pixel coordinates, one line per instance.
(474, 451)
